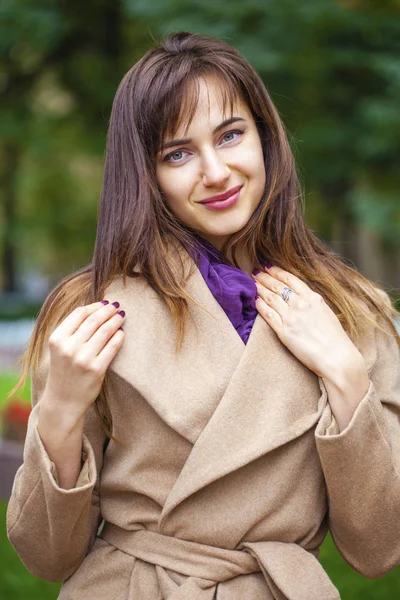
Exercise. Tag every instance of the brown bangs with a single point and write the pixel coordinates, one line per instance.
(179, 103)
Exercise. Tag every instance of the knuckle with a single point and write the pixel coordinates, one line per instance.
(96, 369)
(314, 297)
(53, 340)
(114, 343)
(106, 331)
(92, 320)
(81, 361)
(65, 350)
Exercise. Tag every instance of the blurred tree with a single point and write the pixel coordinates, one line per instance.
(61, 62)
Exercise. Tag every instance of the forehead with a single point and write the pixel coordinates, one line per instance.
(207, 99)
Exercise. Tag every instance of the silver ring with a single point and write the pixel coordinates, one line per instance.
(286, 293)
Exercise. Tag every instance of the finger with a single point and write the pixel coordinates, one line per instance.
(273, 300)
(92, 323)
(289, 280)
(109, 351)
(271, 283)
(269, 315)
(101, 336)
(71, 323)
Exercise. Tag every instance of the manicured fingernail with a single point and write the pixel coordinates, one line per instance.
(105, 302)
(268, 265)
(120, 328)
(256, 272)
(116, 304)
(121, 312)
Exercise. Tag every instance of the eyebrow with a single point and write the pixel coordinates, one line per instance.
(183, 141)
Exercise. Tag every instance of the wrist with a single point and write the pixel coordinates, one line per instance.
(59, 420)
(350, 372)
(346, 386)
(343, 365)
(62, 408)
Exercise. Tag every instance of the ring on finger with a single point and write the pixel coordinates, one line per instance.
(286, 293)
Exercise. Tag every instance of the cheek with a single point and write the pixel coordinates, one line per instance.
(258, 166)
(253, 168)
(175, 182)
(176, 188)
(250, 158)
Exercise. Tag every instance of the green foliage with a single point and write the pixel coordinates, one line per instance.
(13, 309)
(61, 64)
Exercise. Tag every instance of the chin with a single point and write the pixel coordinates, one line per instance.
(228, 229)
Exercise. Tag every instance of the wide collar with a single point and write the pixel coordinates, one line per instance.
(268, 398)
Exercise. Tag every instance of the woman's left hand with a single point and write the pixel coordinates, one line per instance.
(305, 324)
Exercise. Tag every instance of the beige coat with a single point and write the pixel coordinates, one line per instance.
(228, 464)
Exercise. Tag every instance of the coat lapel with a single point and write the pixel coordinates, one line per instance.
(270, 400)
(233, 402)
(184, 388)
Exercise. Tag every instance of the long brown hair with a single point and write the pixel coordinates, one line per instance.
(136, 230)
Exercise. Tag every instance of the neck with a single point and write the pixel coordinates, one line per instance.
(243, 259)
(245, 263)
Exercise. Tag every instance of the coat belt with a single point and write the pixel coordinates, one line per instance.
(291, 572)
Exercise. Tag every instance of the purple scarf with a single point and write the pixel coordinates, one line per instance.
(233, 289)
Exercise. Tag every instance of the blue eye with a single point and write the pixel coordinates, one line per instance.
(238, 131)
(168, 157)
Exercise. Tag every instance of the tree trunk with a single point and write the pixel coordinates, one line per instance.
(11, 153)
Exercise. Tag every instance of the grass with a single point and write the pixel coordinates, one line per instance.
(353, 586)
(17, 584)
(7, 382)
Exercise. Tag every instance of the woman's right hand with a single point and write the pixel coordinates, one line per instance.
(81, 349)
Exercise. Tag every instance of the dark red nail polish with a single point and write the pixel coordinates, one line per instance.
(268, 265)
(120, 328)
(116, 304)
(105, 302)
(121, 312)
(256, 272)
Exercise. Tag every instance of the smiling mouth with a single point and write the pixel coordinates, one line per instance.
(222, 197)
(226, 203)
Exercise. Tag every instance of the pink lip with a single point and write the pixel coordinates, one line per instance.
(220, 197)
(223, 204)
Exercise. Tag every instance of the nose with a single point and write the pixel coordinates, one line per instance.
(215, 171)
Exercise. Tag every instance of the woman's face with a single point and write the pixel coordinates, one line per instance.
(215, 157)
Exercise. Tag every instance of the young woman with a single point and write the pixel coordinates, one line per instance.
(251, 400)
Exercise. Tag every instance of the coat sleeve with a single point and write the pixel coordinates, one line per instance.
(51, 528)
(361, 465)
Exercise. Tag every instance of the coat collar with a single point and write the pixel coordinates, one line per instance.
(263, 399)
